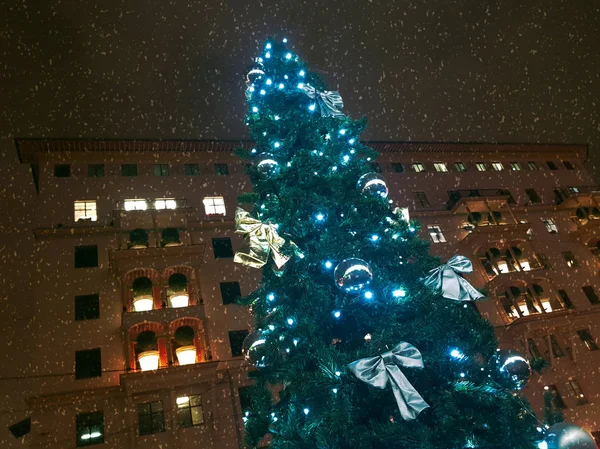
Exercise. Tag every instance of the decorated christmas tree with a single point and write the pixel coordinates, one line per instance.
(363, 340)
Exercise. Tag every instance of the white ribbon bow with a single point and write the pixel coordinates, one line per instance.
(446, 278)
(330, 102)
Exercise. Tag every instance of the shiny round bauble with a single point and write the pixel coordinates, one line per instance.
(267, 165)
(565, 435)
(253, 348)
(513, 370)
(253, 75)
(373, 184)
(352, 275)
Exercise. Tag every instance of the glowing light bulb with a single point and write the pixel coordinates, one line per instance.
(456, 354)
(399, 293)
(334, 168)
(271, 296)
(290, 321)
(346, 158)
(338, 374)
(254, 109)
(312, 107)
(334, 390)
(327, 136)
(289, 164)
(300, 85)
(351, 141)
(374, 237)
(253, 150)
(301, 73)
(306, 411)
(276, 144)
(369, 294)
(271, 327)
(281, 86)
(285, 76)
(352, 151)
(411, 229)
(267, 55)
(284, 40)
(328, 264)
(276, 117)
(268, 46)
(262, 92)
(320, 217)
(337, 314)
(342, 131)
(295, 341)
(269, 82)
(251, 88)
(288, 56)
(462, 375)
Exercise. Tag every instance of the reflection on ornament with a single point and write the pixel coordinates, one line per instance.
(253, 348)
(513, 369)
(368, 338)
(373, 184)
(267, 165)
(352, 275)
(568, 436)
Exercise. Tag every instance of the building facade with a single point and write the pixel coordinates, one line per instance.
(135, 339)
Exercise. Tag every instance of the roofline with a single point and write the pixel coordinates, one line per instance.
(29, 148)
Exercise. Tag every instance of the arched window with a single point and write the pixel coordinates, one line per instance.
(530, 300)
(142, 294)
(138, 238)
(594, 246)
(177, 290)
(183, 345)
(170, 237)
(146, 351)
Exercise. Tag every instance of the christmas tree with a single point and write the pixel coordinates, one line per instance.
(358, 343)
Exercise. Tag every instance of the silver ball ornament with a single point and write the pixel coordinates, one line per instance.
(352, 275)
(267, 165)
(514, 370)
(565, 435)
(373, 184)
(253, 348)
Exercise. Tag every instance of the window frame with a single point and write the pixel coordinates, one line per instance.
(460, 167)
(418, 167)
(515, 166)
(165, 204)
(590, 294)
(227, 249)
(422, 200)
(577, 391)
(497, 166)
(533, 196)
(550, 225)
(79, 257)
(568, 165)
(150, 415)
(135, 202)
(480, 166)
(93, 211)
(91, 359)
(88, 422)
(551, 165)
(206, 201)
(237, 337)
(83, 310)
(397, 167)
(59, 173)
(227, 299)
(96, 171)
(555, 347)
(160, 169)
(191, 169)
(532, 166)
(129, 170)
(436, 234)
(440, 167)
(587, 339)
(222, 169)
(570, 259)
(186, 409)
(375, 167)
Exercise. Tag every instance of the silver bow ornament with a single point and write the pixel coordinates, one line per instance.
(382, 370)
(330, 102)
(447, 279)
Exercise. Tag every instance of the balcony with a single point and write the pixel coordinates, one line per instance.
(577, 196)
(482, 200)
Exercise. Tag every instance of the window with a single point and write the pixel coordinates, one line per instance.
(222, 247)
(544, 261)
(214, 205)
(230, 292)
(151, 417)
(440, 166)
(135, 204)
(570, 259)
(96, 170)
(568, 165)
(397, 167)
(87, 307)
(591, 294)
(533, 196)
(62, 170)
(551, 165)
(555, 398)
(532, 165)
(550, 225)
(375, 167)
(515, 166)
(21, 428)
(459, 166)
(534, 351)
(418, 167)
(556, 349)
(86, 256)
(191, 169)
(85, 210)
(436, 234)
(421, 199)
(89, 428)
(165, 203)
(480, 166)
(88, 364)
(129, 170)
(236, 339)
(565, 299)
(573, 189)
(577, 392)
(161, 169)
(586, 337)
(497, 166)
(189, 410)
(221, 169)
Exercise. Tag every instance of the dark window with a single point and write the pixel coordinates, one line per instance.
(591, 294)
(570, 259)
(397, 167)
(129, 170)
(506, 192)
(565, 299)
(245, 394)
(89, 428)
(577, 392)
(87, 307)
(459, 166)
(161, 169)
(533, 349)
(221, 169)
(556, 349)
(86, 256)
(555, 398)
(375, 167)
(544, 261)
(151, 417)
(96, 170)
(421, 199)
(568, 165)
(236, 339)
(551, 165)
(62, 170)
(21, 428)
(191, 169)
(532, 165)
(533, 196)
(230, 292)
(88, 364)
(586, 337)
(189, 411)
(222, 247)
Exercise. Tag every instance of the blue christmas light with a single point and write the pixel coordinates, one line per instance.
(328, 264)
(300, 256)
(271, 327)
(295, 341)
(300, 85)
(369, 294)
(346, 158)
(306, 411)
(312, 107)
(462, 375)
(289, 164)
(276, 117)
(327, 136)
(455, 353)
(253, 150)
(251, 88)
(334, 390)
(268, 46)
(288, 56)
(254, 109)
(399, 293)
(284, 40)
(342, 131)
(542, 445)
(281, 86)
(285, 76)
(276, 144)
(411, 229)
(337, 314)
(352, 151)
(374, 237)
(271, 296)
(351, 141)
(320, 217)
(269, 81)
(290, 321)
(301, 73)
(338, 374)
(334, 168)
(267, 55)
(262, 92)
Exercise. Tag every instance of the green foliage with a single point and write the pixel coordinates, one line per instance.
(170, 235)
(319, 169)
(184, 336)
(146, 341)
(142, 286)
(138, 237)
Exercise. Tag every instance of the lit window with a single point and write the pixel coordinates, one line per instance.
(418, 167)
(480, 166)
(135, 204)
(550, 225)
(577, 392)
(85, 210)
(570, 259)
(586, 337)
(497, 166)
(165, 203)
(532, 166)
(89, 428)
(515, 166)
(189, 410)
(440, 166)
(460, 166)
(574, 189)
(436, 234)
(214, 205)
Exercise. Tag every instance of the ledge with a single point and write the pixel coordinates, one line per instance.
(74, 231)
(166, 315)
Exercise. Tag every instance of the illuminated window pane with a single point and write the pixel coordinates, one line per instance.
(435, 232)
(440, 166)
(135, 204)
(214, 205)
(497, 166)
(165, 203)
(418, 167)
(85, 210)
